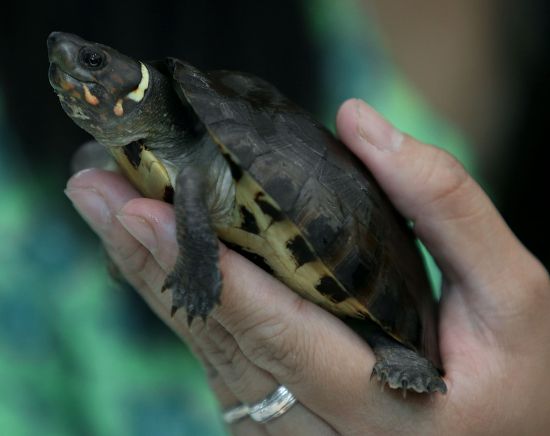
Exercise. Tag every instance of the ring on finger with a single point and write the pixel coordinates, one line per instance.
(274, 405)
(235, 414)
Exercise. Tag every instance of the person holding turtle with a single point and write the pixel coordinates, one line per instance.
(293, 368)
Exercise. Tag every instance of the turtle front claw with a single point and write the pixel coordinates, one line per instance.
(198, 295)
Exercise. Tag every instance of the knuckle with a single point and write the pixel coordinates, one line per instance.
(444, 176)
(225, 349)
(136, 264)
(525, 304)
(276, 347)
(223, 352)
(538, 280)
(152, 273)
(227, 360)
(132, 261)
(277, 357)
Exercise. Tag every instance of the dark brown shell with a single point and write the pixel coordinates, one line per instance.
(343, 217)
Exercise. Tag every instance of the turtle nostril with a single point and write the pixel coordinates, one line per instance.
(53, 36)
(63, 47)
(51, 42)
(62, 51)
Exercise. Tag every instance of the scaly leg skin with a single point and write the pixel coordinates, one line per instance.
(396, 365)
(195, 280)
(402, 368)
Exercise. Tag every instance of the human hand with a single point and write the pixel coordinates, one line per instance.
(494, 327)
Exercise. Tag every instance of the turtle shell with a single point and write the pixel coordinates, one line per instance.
(334, 236)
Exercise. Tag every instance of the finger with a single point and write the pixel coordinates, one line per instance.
(307, 349)
(161, 304)
(234, 379)
(246, 381)
(249, 383)
(296, 342)
(87, 190)
(451, 213)
(99, 196)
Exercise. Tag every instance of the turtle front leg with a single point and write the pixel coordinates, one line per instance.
(196, 279)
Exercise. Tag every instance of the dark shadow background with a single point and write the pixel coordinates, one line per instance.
(523, 182)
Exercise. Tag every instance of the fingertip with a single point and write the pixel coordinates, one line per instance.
(346, 112)
(346, 121)
(84, 179)
(112, 186)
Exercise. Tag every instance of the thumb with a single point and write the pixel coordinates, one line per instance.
(452, 215)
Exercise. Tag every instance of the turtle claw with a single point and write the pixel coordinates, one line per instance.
(196, 297)
(168, 283)
(173, 311)
(421, 377)
(190, 316)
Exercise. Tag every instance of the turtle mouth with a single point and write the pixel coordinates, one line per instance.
(74, 94)
(62, 81)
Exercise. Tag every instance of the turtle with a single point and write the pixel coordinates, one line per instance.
(243, 164)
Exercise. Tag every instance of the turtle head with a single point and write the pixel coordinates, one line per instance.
(99, 88)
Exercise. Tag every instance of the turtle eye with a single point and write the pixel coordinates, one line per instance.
(90, 58)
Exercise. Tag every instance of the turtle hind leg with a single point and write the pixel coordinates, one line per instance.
(402, 368)
(396, 365)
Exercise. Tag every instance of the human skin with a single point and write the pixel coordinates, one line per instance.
(494, 322)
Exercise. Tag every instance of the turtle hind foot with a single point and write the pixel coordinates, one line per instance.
(401, 368)
(197, 300)
(397, 366)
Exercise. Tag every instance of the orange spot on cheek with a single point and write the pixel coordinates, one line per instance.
(90, 98)
(118, 110)
(66, 86)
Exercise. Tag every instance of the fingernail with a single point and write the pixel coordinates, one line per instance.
(374, 130)
(91, 205)
(140, 229)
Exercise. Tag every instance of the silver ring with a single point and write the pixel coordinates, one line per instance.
(235, 413)
(274, 405)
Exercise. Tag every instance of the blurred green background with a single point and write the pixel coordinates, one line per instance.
(81, 356)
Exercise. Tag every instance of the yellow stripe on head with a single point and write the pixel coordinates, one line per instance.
(138, 93)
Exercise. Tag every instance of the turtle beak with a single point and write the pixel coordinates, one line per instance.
(63, 51)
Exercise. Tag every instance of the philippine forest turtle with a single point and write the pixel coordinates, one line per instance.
(242, 163)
